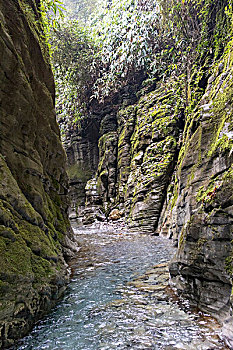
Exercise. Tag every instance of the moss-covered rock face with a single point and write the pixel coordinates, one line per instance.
(137, 160)
(154, 147)
(33, 181)
(203, 200)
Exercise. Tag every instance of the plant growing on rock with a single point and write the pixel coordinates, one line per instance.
(51, 12)
(128, 41)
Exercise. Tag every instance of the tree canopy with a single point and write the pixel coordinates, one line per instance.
(101, 46)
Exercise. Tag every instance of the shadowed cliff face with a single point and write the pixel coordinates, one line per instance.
(33, 181)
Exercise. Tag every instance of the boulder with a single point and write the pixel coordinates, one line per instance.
(115, 214)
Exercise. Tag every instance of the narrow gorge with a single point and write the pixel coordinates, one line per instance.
(140, 185)
(171, 177)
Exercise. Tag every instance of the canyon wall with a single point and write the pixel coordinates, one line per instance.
(35, 235)
(137, 161)
(167, 168)
(201, 214)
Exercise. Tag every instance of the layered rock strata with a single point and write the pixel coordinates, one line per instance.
(35, 235)
(88, 145)
(137, 160)
(200, 211)
(81, 146)
(179, 180)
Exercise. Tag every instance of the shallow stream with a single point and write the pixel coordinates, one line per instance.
(103, 310)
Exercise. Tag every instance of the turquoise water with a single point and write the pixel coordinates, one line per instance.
(100, 310)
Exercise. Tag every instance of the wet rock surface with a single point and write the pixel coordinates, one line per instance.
(119, 299)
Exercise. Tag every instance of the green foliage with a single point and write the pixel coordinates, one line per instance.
(157, 39)
(80, 10)
(42, 17)
(203, 24)
(126, 33)
(74, 60)
(94, 62)
(128, 39)
(51, 12)
(51, 7)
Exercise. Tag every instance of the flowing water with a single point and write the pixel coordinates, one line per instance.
(103, 310)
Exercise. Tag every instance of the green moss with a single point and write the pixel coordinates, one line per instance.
(58, 222)
(175, 195)
(14, 257)
(55, 183)
(182, 238)
(221, 144)
(121, 138)
(126, 119)
(77, 172)
(228, 175)
(36, 28)
(37, 239)
(200, 193)
(229, 265)
(199, 245)
(154, 143)
(26, 254)
(206, 194)
(42, 269)
(110, 136)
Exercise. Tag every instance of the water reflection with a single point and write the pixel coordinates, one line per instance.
(102, 308)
